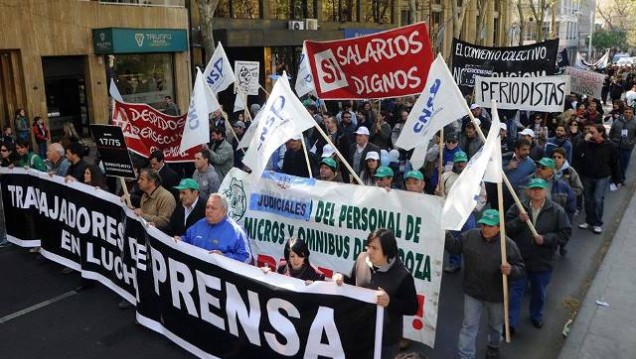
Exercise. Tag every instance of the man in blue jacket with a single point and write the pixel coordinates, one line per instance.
(219, 233)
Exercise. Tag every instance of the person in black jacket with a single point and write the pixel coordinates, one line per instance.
(597, 162)
(483, 286)
(169, 178)
(294, 162)
(296, 264)
(553, 228)
(191, 210)
(380, 268)
(75, 155)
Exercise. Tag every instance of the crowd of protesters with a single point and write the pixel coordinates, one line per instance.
(559, 164)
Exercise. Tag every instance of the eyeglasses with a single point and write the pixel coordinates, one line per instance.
(451, 141)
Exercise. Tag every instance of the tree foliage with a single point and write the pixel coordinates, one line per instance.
(610, 39)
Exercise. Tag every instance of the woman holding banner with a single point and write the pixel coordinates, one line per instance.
(296, 254)
(380, 268)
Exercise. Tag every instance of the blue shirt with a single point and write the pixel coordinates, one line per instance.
(226, 236)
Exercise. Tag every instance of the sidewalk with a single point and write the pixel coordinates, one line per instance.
(609, 331)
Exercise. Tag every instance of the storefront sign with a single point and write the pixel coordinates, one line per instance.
(471, 60)
(132, 41)
(112, 150)
(388, 64)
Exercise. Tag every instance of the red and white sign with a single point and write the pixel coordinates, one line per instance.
(386, 64)
(146, 129)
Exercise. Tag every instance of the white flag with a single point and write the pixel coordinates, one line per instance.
(438, 105)
(197, 128)
(249, 133)
(494, 169)
(114, 92)
(463, 195)
(239, 105)
(284, 117)
(304, 80)
(218, 73)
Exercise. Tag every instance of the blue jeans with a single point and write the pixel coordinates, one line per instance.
(470, 325)
(42, 146)
(594, 195)
(455, 260)
(623, 157)
(538, 284)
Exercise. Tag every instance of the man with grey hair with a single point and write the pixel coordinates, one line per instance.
(157, 203)
(56, 162)
(219, 233)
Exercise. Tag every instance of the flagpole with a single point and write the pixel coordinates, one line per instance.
(302, 141)
(262, 88)
(440, 162)
(503, 174)
(504, 260)
(340, 156)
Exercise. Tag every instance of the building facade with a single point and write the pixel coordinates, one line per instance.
(57, 57)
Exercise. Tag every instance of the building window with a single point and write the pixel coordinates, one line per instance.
(238, 9)
(146, 78)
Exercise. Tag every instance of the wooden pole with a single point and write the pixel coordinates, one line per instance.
(504, 256)
(505, 178)
(122, 182)
(440, 162)
(302, 141)
(342, 159)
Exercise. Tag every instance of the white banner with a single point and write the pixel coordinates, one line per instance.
(335, 220)
(585, 82)
(247, 75)
(284, 116)
(304, 80)
(463, 195)
(546, 93)
(218, 73)
(197, 128)
(438, 105)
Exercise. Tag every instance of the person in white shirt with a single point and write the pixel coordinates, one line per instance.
(630, 96)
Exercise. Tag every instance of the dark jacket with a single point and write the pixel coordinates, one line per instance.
(552, 223)
(307, 273)
(77, 170)
(368, 148)
(176, 226)
(169, 179)
(295, 163)
(482, 264)
(598, 160)
(398, 283)
(616, 133)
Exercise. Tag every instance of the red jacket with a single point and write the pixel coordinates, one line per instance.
(41, 132)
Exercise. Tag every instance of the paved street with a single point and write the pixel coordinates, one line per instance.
(42, 316)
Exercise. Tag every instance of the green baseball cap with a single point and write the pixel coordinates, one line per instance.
(548, 162)
(460, 156)
(187, 183)
(538, 183)
(490, 217)
(383, 172)
(329, 162)
(414, 174)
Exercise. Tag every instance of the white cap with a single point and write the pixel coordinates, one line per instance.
(362, 131)
(394, 155)
(296, 137)
(327, 151)
(372, 155)
(502, 126)
(474, 106)
(527, 132)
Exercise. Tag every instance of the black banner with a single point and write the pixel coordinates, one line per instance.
(523, 61)
(208, 304)
(113, 151)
